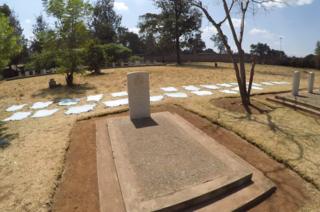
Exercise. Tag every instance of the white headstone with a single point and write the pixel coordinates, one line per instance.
(139, 96)
(113, 65)
(310, 82)
(296, 83)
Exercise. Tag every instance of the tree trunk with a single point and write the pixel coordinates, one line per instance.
(97, 71)
(178, 51)
(69, 79)
(177, 36)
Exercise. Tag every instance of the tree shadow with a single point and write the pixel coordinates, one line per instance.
(273, 126)
(203, 66)
(63, 91)
(93, 74)
(5, 138)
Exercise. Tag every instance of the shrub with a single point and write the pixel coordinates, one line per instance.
(135, 58)
(116, 52)
(95, 58)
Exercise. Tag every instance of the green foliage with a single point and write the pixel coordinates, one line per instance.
(196, 44)
(317, 50)
(95, 57)
(105, 22)
(116, 52)
(42, 61)
(260, 49)
(71, 29)
(218, 43)
(135, 58)
(176, 23)
(132, 41)
(9, 42)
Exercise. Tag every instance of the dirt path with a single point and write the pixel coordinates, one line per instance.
(78, 189)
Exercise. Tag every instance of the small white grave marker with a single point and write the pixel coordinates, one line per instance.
(119, 94)
(116, 103)
(295, 83)
(139, 96)
(15, 108)
(202, 93)
(169, 89)
(311, 82)
(212, 87)
(177, 95)
(18, 116)
(191, 88)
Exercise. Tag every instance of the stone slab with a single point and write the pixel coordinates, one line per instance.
(165, 163)
(311, 100)
(108, 184)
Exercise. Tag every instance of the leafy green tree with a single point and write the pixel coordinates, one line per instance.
(9, 42)
(177, 21)
(22, 55)
(261, 50)
(132, 41)
(150, 44)
(116, 53)
(40, 32)
(317, 50)
(72, 32)
(43, 47)
(105, 21)
(218, 43)
(196, 44)
(96, 57)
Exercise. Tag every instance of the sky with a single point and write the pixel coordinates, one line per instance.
(295, 23)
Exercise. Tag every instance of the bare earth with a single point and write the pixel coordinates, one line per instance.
(32, 153)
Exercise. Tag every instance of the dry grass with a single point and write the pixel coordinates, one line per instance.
(32, 158)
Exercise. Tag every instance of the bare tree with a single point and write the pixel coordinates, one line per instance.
(238, 59)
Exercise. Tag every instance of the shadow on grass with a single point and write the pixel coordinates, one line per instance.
(5, 138)
(64, 91)
(203, 66)
(93, 74)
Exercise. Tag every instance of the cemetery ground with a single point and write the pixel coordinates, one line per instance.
(34, 159)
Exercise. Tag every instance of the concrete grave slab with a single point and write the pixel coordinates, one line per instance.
(44, 113)
(169, 89)
(94, 98)
(229, 91)
(191, 88)
(68, 102)
(176, 95)
(116, 103)
(80, 109)
(119, 94)
(18, 116)
(164, 162)
(156, 98)
(267, 83)
(41, 105)
(226, 85)
(15, 107)
(212, 87)
(202, 93)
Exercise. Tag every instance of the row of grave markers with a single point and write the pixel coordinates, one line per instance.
(228, 88)
(296, 82)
